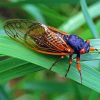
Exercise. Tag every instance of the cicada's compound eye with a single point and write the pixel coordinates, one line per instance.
(85, 48)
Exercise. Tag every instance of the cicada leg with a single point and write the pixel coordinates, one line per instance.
(56, 62)
(70, 62)
(79, 66)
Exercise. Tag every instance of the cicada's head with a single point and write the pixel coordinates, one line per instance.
(77, 44)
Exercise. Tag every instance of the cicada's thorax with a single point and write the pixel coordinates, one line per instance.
(77, 44)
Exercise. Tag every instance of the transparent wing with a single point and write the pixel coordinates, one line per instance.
(17, 28)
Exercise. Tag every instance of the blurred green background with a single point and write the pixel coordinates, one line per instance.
(27, 83)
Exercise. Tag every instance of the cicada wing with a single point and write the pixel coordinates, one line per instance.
(27, 31)
(17, 28)
(32, 33)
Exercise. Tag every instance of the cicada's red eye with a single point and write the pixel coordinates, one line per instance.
(82, 51)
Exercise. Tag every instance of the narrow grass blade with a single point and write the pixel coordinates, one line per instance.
(88, 18)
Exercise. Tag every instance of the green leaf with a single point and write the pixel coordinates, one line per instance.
(14, 49)
(12, 68)
(7, 64)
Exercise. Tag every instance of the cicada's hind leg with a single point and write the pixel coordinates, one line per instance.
(70, 62)
(79, 66)
(56, 62)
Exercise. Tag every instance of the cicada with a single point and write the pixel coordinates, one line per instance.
(48, 40)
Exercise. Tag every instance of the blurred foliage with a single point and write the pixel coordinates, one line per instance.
(21, 79)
